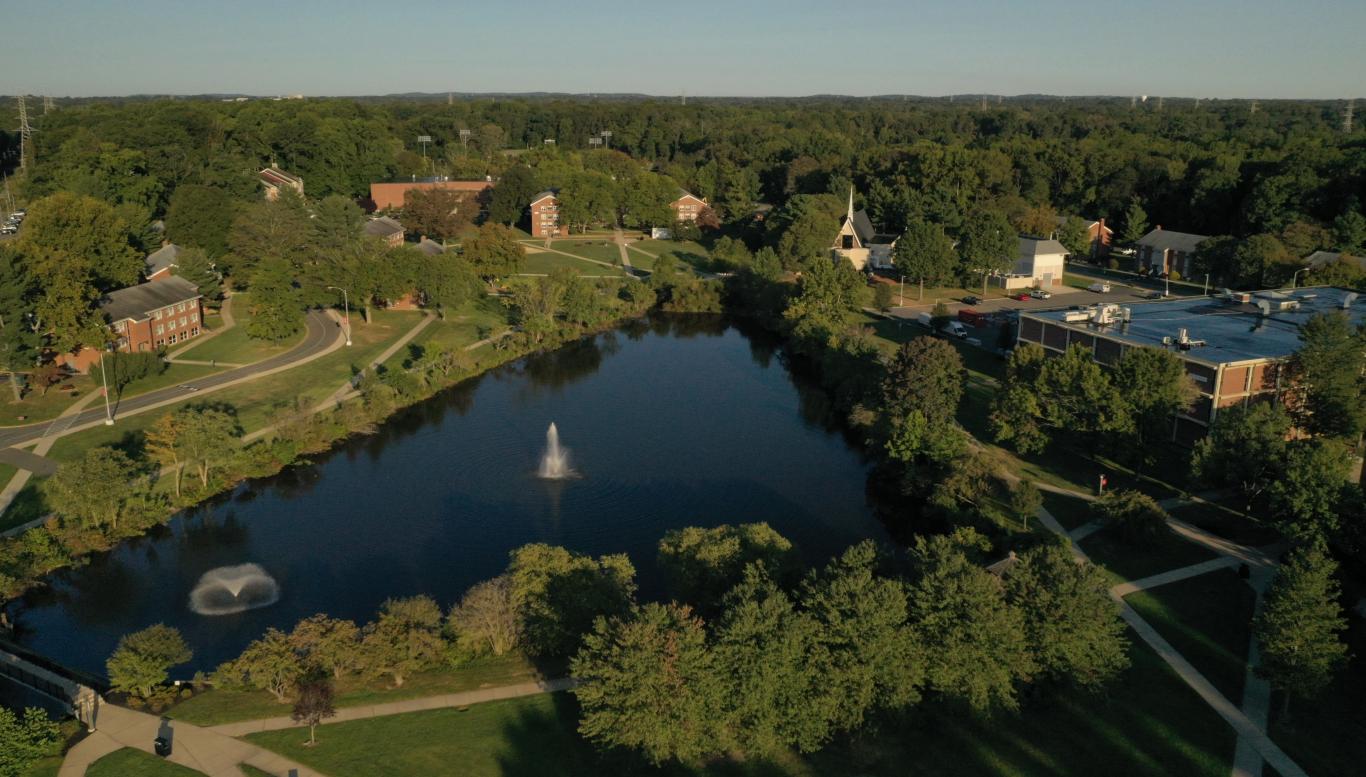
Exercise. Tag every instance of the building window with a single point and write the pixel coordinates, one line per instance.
(158, 315)
(194, 332)
(160, 329)
(182, 321)
(194, 317)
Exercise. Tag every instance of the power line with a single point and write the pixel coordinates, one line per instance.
(25, 134)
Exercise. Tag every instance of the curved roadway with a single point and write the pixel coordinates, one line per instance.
(317, 340)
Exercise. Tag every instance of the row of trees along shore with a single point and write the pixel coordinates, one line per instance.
(751, 652)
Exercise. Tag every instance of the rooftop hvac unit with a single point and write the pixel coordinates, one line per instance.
(1349, 299)
(1126, 314)
(1184, 341)
(1076, 316)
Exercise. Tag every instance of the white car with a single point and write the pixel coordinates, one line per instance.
(1099, 288)
(1041, 294)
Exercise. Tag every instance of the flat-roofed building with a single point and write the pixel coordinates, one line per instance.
(392, 195)
(1235, 347)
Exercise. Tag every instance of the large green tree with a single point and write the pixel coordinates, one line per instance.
(926, 254)
(1078, 396)
(493, 252)
(66, 232)
(867, 655)
(1154, 385)
(200, 217)
(926, 377)
(1330, 375)
(513, 192)
(701, 565)
(269, 663)
(987, 245)
(93, 489)
(438, 213)
(143, 660)
(974, 641)
(558, 594)
(1300, 626)
(406, 637)
(1071, 623)
(276, 308)
(1244, 450)
(26, 739)
(648, 681)
(1305, 501)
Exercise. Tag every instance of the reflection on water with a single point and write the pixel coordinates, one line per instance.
(676, 421)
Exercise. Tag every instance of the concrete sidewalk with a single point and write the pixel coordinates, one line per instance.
(205, 751)
(408, 705)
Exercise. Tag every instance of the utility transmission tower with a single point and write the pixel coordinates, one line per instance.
(1347, 117)
(1159, 103)
(1133, 103)
(1252, 111)
(25, 134)
(683, 98)
(48, 107)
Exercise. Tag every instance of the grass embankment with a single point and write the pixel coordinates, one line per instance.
(215, 707)
(135, 763)
(1230, 525)
(1072, 512)
(1133, 562)
(1328, 734)
(546, 262)
(234, 346)
(1162, 727)
(1209, 620)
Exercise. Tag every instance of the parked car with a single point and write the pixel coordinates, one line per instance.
(8, 229)
(954, 329)
(1123, 251)
(1041, 294)
(1022, 296)
(1100, 287)
(972, 299)
(925, 320)
(1155, 295)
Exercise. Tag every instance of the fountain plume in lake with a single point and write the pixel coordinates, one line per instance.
(228, 590)
(555, 460)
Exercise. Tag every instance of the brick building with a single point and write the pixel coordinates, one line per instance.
(152, 315)
(161, 263)
(1234, 347)
(1163, 250)
(687, 206)
(386, 229)
(390, 195)
(545, 215)
(273, 179)
(1096, 232)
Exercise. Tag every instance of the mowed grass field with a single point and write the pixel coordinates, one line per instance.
(1148, 723)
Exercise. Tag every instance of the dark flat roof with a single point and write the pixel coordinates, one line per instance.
(1231, 332)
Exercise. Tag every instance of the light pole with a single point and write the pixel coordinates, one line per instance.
(346, 306)
(1295, 278)
(902, 293)
(1206, 284)
(104, 381)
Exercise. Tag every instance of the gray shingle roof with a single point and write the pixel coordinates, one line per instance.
(383, 227)
(1032, 246)
(163, 258)
(544, 194)
(136, 301)
(430, 247)
(1323, 258)
(1170, 240)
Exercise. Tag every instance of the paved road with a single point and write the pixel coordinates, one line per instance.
(322, 333)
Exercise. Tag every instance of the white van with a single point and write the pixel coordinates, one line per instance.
(1099, 287)
(925, 320)
(954, 329)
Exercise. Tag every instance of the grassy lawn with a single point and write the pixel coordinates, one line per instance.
(1134, 562)
(234, 346)
(687, 252)
(135, 763)
(256, 401)
(1161, 727)
(598, 250)
(174, 375)
(35, 406)
(1070, 511)
(1209, 620)
(486, 316)
(545, 262)
(1238, 528)
(215, 707)
(1328, 734)
(28, 505)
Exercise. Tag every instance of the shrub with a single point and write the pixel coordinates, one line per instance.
(1139, 519)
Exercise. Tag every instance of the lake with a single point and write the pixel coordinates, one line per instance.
(674, 422)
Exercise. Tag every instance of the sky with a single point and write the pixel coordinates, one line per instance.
(1175, 48)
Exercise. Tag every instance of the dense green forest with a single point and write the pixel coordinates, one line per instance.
(1225, 167)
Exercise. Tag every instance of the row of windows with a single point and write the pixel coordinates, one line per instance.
(169, 310)
(184, 321)
(177, 337)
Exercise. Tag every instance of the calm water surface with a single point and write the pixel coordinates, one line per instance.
(681, 422)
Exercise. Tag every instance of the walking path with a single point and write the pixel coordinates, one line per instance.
(407, 705)
(57, 428)
(1254, 747)
(201, 749)
(621, 249)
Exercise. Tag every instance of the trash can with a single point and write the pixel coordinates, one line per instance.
(162, 746)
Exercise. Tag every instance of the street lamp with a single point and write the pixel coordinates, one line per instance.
(346, 305)
(104, 381)
(1295, 278)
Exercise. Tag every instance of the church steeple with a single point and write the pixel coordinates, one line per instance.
(850, 215)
